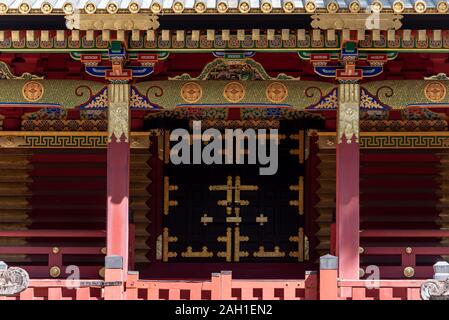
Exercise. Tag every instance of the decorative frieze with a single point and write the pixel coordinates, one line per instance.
(390, 140)
(329, 40)
(65, 139)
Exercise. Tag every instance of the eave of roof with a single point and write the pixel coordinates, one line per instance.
(221, 7)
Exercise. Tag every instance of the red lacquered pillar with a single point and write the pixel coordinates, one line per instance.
(348, 179)
(118, 155)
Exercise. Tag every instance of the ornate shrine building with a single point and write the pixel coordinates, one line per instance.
(91, 207)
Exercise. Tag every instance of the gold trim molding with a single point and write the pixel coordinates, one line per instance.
(389, 140)
(66, 139)
(79, 21)
(358, 21)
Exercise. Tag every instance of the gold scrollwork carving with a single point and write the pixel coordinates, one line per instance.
(167, 189)
(189, 253)
(300, 202)
(277, 253)
(300, 152)
(166, 239)
(118, 111)
(348, 112)
(6, 73)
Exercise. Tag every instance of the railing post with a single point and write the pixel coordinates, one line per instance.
(441, 271)
(215, 286)
(328, 277)
(131, 292)
(114, 274)
(311, 283)
(226, 285)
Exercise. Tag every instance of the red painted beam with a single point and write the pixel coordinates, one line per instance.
(53, 234)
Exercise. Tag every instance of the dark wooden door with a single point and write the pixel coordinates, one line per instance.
(230, 213)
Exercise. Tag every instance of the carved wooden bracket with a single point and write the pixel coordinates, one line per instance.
(12, 280)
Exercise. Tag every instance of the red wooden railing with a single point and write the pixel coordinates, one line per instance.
(380, 289)
(222, 286)
(58, 290)
(332, 288)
